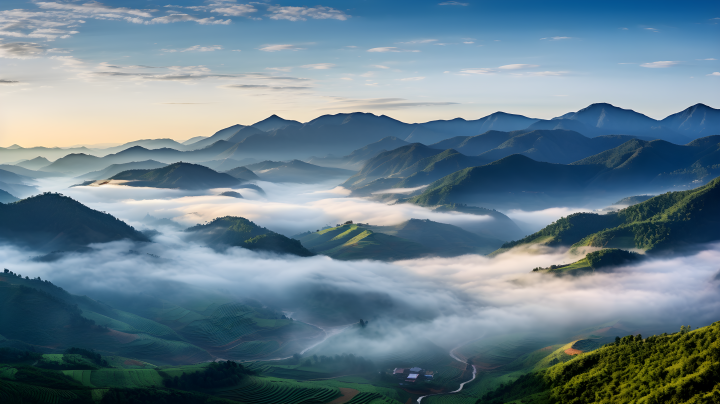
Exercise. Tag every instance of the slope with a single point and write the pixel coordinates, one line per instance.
(297, 171)
(178, 175)
(34, 164)
(240, 232)
(243, 174)
(50, 222)
(115, 169)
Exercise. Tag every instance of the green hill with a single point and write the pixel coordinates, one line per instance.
(679, 368)
(354, 242)
(178, 175)
(240, 232)
(243, 173)
(389, 164)
(50, 222)
(666, 222)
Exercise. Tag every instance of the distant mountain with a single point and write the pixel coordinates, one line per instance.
(274, 122)
(390, 163)
(698, 120)
(222, 134)
(6, 197)
(356, 242)
(242, 173)
(50, 222)
(240, 232)
(356, 159)
(194, 139)
(439, 238)
(435, 167)
(244, 133)
(16, 184)
(75, 164)
(296, 171)
(10, 154)
(27, 173)
(226, 164)
(115, 169)
(499, 121)
(232, 194)
(620, 121)
(178, 175)
(667, 222)
(34, 164)
(145, 143)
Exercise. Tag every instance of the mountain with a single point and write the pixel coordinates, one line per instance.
(193, 140)
(242, 173)
(145, 143)
(440, 239)
(115, 169)
(296, 171)
(15, 184)
(6, 197)
(239, 232)
(34, 164)
(667, 222)
(433, 168)
(243, 133)
(499, 121)
(356, 242)
(693, 122)
(50, 222)
(10, 154)
(27, 173)
(274, 122)
(389, 163)
(356, 159)
(626, 371)
(75, 164)
(178, 175)
(619, 121)
(222, 134)
(226, 164)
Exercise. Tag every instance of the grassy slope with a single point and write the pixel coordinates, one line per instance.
(350, 241)
(240, 232)
(678, 368)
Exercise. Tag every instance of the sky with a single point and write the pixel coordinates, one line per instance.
(78, 72)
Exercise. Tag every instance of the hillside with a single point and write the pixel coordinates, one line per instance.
(356, 242)
(676, 368)
(356, 159)
(695, 121)
(6, 197)
(230, 231)
(667, 222)
(242, 173)
(34, 164)
(390, 163)
(296, 171)
(115, 169)
(50, 222)
(178, 175)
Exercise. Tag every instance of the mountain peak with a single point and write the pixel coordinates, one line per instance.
(274, 122)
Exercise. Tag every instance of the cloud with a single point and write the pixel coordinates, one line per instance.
(557, 38)
(280, 69)
(232, 10)
(623, 29)
(453, 3)
(303, 13)
(412, 79)
(276, 48)
(265, 87)
(21, 50)
(469, 42)
(180, 17)
(708, 59)
(4, 81)
(94, 8)
(714, 74)
(477, 71)
(319, 66)
(380, 66)
(390, 49)
(196, 48)
(659, 64)
(382, 103)
(419, 41)
(186, 74)
(517, 67)
(652, 29)
(346, 78)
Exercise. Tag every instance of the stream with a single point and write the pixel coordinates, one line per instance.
(474, 375)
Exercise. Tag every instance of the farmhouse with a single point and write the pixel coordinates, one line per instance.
(413, 374)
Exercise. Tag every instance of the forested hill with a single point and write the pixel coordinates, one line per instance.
(178, 175)
(240, 232)
(680, 368)
(50, 222)
(665, 222)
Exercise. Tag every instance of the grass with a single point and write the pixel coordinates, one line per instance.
(125, 378)
(257, 390)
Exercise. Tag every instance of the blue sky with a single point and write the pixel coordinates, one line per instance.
(92, 72)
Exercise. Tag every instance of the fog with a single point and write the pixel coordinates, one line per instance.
(448, 300)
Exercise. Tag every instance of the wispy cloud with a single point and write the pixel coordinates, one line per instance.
(196, 48)
(319, 66)
(419, 41)
(660, 64)
(280, 69)
(382, 103)
(469, 42)
(390, 49)
(303, 13)
(94, 8)
(4, 81)
(477, 71)
(266, 87)
(714, 74)
(276, 48)
(180, 17)
(556, 38)
(21, 50)
(707, 59)
(412, 79)
(232, 10)
(652, 29)
(517, 66)
(380, 66)
(453, 3)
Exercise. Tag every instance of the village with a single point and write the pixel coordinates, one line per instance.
(412, 375)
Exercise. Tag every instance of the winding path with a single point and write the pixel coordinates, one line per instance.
(474, 375)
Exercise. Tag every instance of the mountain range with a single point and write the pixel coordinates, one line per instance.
(179, 176)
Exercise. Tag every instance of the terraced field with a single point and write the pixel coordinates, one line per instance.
(19, 393)
(124, 378)
(273, 391)
(372, 398)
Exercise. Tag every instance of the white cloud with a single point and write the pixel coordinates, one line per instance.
(303, 13)
(367, 74)
(346, 78)
(319, 66)
(419, 41)
(652, 29)
(623, 29)
(390, 49)
(659, 64)
(232, 10)
(714, 74)
(517, 66)
(372, 84)
(477, 71)
(557, 38)
(196, 48)
(94, 8)
(276, 48)
(412, 79)
(453, 3)
(179, 17)
(279, 69)
(21, 50)
(469, 42)
(380, 66)
(708, 59)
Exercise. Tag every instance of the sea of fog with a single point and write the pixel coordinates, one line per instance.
(449, 300)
